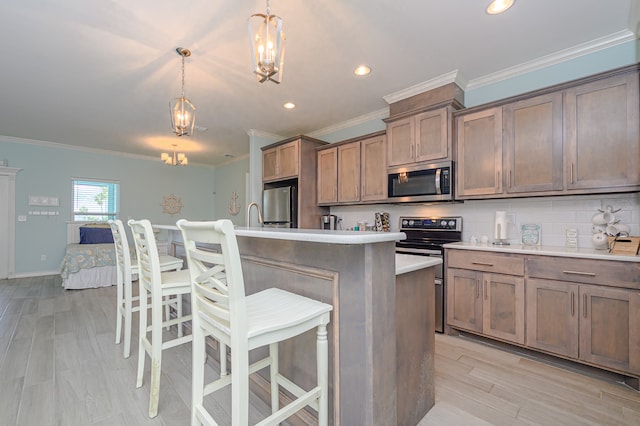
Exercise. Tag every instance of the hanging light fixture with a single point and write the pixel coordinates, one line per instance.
(177, 159)
(267, 46)
(183, 113)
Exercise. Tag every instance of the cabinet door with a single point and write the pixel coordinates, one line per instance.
(479, 137)
(349, 172)
(270, 163)
(609, 326)
(374, 166)
(328, 176)
(464, 304)
(533, 144)
(603, 133)
(432, 135)
(401, 142)
(288, 160)
(552, 316)
(503, 307)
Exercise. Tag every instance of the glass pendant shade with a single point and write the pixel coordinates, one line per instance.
(267, 46)
(182, 111)
(183, 116)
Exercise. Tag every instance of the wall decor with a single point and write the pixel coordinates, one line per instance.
(234, 207)
(171, 204)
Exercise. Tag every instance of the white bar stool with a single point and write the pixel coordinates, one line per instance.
(125, 271)
(158, 286)
(221, 309)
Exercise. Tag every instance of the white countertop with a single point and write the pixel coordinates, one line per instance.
(312, 235)
(581, 253)
(409, 263)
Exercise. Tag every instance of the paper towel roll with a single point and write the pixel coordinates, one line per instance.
(500, 226)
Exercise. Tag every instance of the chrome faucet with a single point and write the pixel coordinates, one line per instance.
(257, 206)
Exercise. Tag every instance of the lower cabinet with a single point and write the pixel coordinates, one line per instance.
(587, 310)
(595, 324)
(487, 303)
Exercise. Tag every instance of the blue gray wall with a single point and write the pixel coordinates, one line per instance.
(47, 170)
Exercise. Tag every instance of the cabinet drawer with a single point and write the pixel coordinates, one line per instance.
(589, 271)
(487, 262)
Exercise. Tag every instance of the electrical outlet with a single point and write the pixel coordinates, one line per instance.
(43, 257)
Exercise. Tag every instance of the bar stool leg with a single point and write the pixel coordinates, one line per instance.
(274, 369)
(322, 350)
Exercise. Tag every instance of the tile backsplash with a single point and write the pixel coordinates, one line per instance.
(554, 215)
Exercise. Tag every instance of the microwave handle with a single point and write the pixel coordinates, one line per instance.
(438, 187)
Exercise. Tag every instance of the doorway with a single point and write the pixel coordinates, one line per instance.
(7, 221)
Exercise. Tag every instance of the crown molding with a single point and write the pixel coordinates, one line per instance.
(454, 76)
(265, 135)
(555, 58)
(379, 114)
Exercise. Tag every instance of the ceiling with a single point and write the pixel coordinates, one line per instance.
(100, 74)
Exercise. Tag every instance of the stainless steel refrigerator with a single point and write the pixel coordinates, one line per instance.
(280, 207)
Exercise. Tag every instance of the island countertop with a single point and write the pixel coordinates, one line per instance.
(312, 235)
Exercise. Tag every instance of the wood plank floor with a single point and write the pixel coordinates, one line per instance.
(59, 366)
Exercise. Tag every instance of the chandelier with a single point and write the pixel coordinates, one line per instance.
(177, 159)
(183, 113)
(267, 46)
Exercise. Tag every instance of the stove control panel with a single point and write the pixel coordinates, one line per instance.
(431, 223)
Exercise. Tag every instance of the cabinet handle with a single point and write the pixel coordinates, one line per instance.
(573, 303)
(497, 178)
(485, 290)
(482, 263)
(588, 274)
(571, 174)
(509, 182)
(584, 303)
(477, 288)
(411, 151)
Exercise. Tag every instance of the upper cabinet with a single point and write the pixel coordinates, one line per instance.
(281, 161)
(353, 171)
(602, 134)
(479, 153)
(580, 137)
(294, 161)
(421, 137)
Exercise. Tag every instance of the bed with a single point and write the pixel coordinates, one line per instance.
(90, 257)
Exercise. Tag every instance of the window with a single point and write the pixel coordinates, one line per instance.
(95, 200)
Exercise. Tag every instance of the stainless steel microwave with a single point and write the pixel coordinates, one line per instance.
(423, 183)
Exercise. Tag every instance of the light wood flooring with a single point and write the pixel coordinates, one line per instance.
(59, 366)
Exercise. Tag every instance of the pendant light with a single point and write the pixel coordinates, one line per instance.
(267, 46)
(177, 159)
(183, 113)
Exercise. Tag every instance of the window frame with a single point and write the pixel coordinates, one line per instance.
(113, 207)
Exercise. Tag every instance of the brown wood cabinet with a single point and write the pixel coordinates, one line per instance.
(579, 137)
(479, 142)
(603, 134)
(349, 172)
(586, 310)
(353, 171)
(281, 162)
(532, 139)
(328, 176)
(294, 162)
(491, 303)
(421, 137)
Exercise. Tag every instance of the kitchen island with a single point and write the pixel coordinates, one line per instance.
(380, 357)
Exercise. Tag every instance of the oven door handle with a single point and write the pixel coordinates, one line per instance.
(415, 251)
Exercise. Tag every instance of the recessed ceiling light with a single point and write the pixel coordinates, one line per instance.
(499, 6)
(289, 105)
(362, 70)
